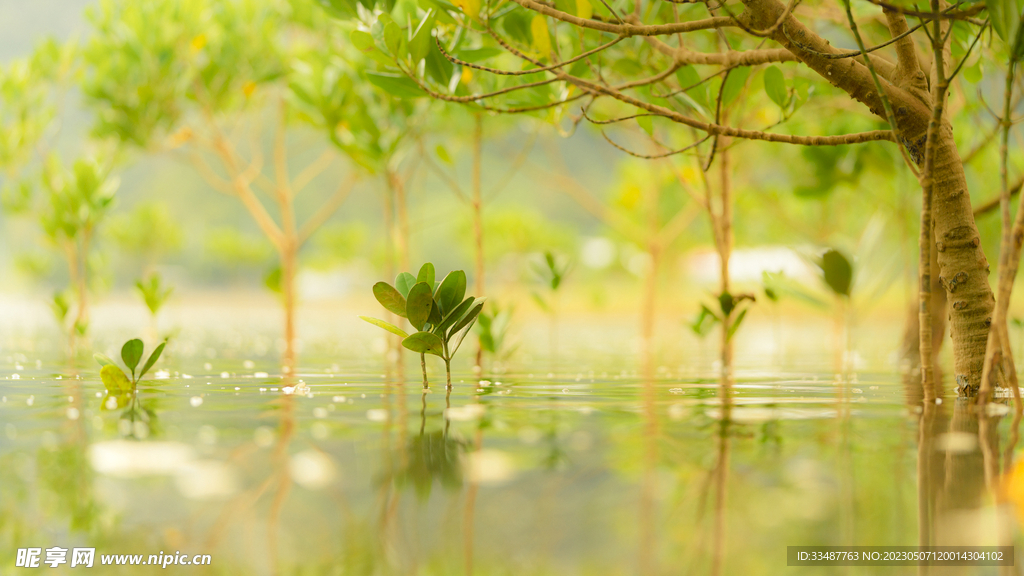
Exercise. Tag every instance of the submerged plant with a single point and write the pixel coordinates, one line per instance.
(121, 390)
(441, 313)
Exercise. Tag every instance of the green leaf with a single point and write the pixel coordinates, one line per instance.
(389, 298)
(474, 55)
(435, 314)
(404, 282)
(734, 82)
(385, 325)
(420, 302)
(704, 322)
(1005, 19)
(393, 39)
(837, 271)
(153, 358)
(426, 274)
(775, 85)
(397, 85)
(463, 326)
(114, 380)
(451, 291)
(736, 324)
(362, 40)
(452, 317)
(442, 153)
(421, 40)
(103, 359)
(131, 353)
(425, 343)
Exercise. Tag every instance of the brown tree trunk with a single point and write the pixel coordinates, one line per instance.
(963, 269)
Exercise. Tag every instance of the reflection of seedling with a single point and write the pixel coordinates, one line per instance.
(121, 389)
(442, 316)
(154, 293)
(727, 304)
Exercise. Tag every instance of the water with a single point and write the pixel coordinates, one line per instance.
(584, 467)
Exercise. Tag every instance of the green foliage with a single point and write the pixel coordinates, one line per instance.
(551, 271)
(775, 86)
(143, 79)
(153, 292)
(1006, 16)
(149, 231)
(493, 329)
(731, 313)
(114, 379)
(837, 271)
(442, 316)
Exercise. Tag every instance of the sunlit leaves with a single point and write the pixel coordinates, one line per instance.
(390, 298)
(451, 291)
(470, 8)
(385, 325)
(396, 85)
(115, 380)
(419, 303)
(734, 83)
(775, 85)
(541, 36)
(404, 282)
(131, 353)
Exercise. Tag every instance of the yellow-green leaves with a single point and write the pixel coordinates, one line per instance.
(1006, 20)
(775, 85)
(389, 298)
(425, 343)
(385, 325)
(541, 36)
(470, 8)
(584, 9)
(114, 380)
(404, 282)
(426, 274)
(393, 39)
(733, 84)
(362, 40)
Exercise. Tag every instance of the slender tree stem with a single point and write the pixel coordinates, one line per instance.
(423, 366)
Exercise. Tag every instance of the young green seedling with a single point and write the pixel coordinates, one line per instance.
(442, 316)
(552, 273)
(154, 293)
(114, 379)
(395, 299)
(727, 303)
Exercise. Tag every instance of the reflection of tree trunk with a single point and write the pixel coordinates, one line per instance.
(284, 479)
(721, 478)
(468, 513)
(911, 349)
(647, 516)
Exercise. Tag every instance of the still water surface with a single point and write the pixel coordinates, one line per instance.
(581, 468)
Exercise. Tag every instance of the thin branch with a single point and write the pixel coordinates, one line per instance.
(655, 156)
(312, 170)
(500, 72)
(626, 28)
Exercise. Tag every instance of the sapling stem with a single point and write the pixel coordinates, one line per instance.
(448, 371)
(423, 366)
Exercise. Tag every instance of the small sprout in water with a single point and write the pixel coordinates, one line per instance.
(552, 272)
(115, 380)
(154, 293)
(727, 304)
(441, 313)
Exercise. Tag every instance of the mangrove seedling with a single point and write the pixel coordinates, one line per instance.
(552, 272)
(114, 379)
(727, 304)
(442, 315)
(394, 299)
(493, 329)
(121, 390)
(154, 293)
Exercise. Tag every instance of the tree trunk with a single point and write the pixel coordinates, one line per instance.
(289, 259)
(963, 269)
